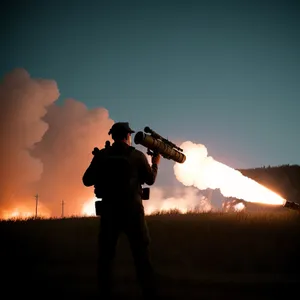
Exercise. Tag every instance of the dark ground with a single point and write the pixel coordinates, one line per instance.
(205, 256)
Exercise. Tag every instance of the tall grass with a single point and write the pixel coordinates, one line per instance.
(206, 242)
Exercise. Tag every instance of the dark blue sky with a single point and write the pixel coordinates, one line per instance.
(221, 73)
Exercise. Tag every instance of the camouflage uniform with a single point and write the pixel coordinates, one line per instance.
(129, 219)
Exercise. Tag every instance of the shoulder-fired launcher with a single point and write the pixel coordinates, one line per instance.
(155, 143)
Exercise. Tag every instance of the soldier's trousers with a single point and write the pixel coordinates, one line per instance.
(134, 226)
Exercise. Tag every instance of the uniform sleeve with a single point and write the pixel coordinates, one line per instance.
(148, 173)
(90, 175)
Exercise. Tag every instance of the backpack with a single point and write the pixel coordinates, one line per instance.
(115, 173)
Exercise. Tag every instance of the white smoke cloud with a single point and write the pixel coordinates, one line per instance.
(203, 172)
(183, 199)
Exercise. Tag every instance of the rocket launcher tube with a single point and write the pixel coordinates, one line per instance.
(159, 137)
(159, 145)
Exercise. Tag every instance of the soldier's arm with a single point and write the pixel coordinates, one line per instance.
(148, 173)
(89, 176)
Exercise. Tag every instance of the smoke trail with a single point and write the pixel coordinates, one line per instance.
(23, 104)
(203, 172)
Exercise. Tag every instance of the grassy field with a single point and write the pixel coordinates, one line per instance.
(197, 256)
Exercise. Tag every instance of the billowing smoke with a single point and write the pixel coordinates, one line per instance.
(45, 148)
(23, 104)
(183, 199)
(65, 151)
(203, 172)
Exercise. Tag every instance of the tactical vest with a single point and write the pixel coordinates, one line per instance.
(115, 175)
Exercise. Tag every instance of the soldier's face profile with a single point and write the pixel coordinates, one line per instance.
(129, 139)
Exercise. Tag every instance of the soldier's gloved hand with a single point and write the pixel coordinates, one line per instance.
(156, 159)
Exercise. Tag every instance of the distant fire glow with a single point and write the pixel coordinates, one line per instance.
(203, 172)
(88, 208)
(239, 207)
(17, 214)
(24, 213)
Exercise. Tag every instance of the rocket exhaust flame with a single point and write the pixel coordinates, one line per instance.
(203, 172)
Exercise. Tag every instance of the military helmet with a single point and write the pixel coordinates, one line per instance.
(120, 127)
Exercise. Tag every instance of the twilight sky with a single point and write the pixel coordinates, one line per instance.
(221, 73)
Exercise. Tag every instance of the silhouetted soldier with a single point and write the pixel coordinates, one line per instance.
(118, 172)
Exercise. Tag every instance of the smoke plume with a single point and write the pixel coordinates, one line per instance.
(65, 151)
(183, 199)
(45, 148)
(23, 104)
(203, 172)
